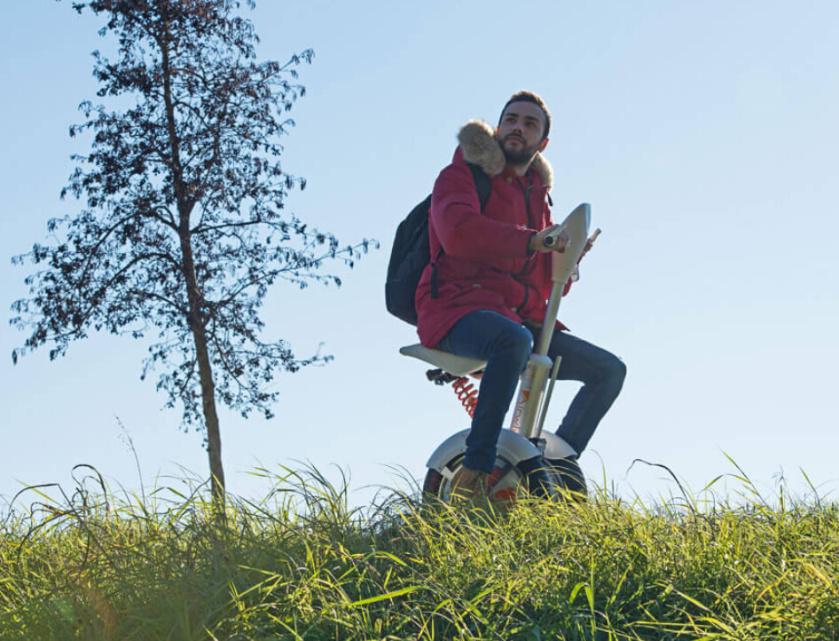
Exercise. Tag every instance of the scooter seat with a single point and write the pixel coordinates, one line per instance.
(455, 365)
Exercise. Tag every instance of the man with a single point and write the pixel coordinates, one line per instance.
(489, 278)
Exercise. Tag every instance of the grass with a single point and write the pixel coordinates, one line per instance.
(302, 565)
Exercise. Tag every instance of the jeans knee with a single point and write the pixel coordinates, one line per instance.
(617, 372)
(518, 344)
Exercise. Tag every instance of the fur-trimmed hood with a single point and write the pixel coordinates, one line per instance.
(479, 146)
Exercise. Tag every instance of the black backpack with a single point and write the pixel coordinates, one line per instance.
(410, 254)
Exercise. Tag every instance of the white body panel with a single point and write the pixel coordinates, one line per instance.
(512, 447)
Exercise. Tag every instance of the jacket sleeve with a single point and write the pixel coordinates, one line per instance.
(462, 230)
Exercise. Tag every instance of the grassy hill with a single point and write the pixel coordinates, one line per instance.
(302, 565)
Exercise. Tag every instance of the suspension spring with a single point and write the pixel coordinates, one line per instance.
(467, 394)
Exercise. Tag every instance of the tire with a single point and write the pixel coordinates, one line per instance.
(431, 484)
(570, 476)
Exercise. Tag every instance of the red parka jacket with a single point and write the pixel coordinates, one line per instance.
(482, 258)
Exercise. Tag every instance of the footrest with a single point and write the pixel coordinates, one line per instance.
(439, 377)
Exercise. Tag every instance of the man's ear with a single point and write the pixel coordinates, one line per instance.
(542, 145)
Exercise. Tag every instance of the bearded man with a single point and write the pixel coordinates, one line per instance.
(485, 291)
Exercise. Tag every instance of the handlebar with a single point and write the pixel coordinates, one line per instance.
(550, 240)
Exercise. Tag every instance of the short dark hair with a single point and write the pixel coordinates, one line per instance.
(529, 96)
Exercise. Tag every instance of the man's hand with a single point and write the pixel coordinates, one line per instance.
(553, 233)
(590, 242)
(575, 275)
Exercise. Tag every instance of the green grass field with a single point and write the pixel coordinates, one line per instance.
(302, 565)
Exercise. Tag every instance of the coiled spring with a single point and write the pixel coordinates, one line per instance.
(467, 394)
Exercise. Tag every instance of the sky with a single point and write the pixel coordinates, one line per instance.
(704, 135)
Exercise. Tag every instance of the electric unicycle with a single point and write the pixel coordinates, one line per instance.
(543, 464)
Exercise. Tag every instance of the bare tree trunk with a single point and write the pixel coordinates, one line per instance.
(205, 373)
(194, 294)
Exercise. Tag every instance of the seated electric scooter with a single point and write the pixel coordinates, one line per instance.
(526, 457)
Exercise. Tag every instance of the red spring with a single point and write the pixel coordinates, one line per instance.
(467, 394)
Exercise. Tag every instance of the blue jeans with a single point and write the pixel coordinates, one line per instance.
(506, 346)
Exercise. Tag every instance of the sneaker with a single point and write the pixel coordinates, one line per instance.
(469, 485)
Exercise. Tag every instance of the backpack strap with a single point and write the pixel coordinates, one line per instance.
(483, 185)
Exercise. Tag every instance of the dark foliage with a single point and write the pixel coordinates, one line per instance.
(183, 228)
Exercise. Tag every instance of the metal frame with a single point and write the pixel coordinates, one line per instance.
(532, 402)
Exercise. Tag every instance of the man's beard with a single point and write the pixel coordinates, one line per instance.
(518, 157)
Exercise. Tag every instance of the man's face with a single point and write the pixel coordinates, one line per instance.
(520, 132)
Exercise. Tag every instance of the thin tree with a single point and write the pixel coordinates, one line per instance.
(182, 229)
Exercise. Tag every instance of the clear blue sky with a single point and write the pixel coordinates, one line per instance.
(704, 135)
